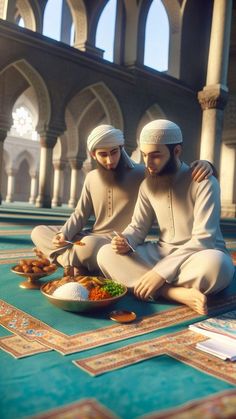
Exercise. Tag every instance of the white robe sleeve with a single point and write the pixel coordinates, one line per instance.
(80, 216)
(204, 231)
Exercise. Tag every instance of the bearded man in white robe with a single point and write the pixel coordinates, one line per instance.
(190, 259)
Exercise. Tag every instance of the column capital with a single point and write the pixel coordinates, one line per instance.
(59, 165)
(76, 164)
(49, 134)
(213, 97)
(48, 139)
(10, 171)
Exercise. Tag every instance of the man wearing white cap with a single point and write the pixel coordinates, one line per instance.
(190, 259)
(109, 194)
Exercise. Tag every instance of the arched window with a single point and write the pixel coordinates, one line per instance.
(106, 30)
(52, 19)
(157, 37)
(23, 124)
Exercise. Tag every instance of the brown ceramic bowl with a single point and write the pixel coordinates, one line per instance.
(79, 306)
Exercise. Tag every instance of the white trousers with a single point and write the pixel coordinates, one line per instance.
(208, 270)
(69, 255)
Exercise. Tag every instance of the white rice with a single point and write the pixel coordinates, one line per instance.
(71, 291)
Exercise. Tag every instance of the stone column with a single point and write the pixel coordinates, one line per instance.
(47, 142)
(10, 185)
(33, 188)
(74, 182)
(58, 184)
(214, 95)
(3, 135)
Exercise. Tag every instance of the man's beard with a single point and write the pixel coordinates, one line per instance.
(162, 180)
(112, 176)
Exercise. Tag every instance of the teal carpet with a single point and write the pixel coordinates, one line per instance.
(45, 381)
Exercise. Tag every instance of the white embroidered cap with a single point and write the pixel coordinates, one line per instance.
(106, 136)
(161, 131)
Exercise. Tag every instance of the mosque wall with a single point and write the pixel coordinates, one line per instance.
(71, 90)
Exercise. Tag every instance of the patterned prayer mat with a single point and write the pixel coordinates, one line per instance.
(179, 345)
(20, 347)
(30, 328)
(84, 409)
(222, 405)
(219, 406)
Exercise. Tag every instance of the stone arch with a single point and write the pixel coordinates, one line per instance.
(174, 11)
(24, 9)
(23, 170)
(95, 104)
(79, 17)
(28, 100)
(25, 155)
(36, 81)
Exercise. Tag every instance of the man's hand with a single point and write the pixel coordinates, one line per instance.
(120, 245)
(59, 240)
(148, 285)
(201, 170)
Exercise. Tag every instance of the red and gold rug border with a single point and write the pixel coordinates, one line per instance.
(216, 406)
(179, 345)
(20, 323)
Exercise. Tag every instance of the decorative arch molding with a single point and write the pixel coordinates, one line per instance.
(79, 17)
(25, 155)
(36, 81)
(25, 10)
(100, 104)
(110, 104)
(28, 99)
(174, 10)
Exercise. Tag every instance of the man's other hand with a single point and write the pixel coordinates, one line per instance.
(148, 285)
(59, 240)
(201, 170)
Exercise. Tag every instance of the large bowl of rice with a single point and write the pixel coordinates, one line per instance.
(83, 293)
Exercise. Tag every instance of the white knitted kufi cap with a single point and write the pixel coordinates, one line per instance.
(106, 136)
(161, 131)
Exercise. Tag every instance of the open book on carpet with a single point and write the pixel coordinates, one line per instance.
(224, 350)
(222, 331)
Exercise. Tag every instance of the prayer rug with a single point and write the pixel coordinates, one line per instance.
(179, 345)
(19, 347)
(28, 327)
(220, 406)
(84, 409)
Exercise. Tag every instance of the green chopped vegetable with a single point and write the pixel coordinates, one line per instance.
(113, 287)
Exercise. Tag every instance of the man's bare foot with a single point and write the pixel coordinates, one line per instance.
(191, 297)
(39, 253)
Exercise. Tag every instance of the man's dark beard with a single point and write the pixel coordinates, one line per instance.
(163, 179)
(113, 176)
